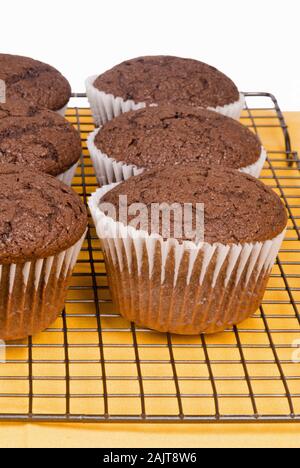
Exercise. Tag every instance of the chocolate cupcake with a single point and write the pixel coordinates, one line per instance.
(182, 283)
(36, 82)
(161, 79)
(42, 227)
(153, 137)
(39, 139)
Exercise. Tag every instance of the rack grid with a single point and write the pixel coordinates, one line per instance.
(94, 366)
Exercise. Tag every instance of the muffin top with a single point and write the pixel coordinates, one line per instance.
(38, 138)
(39, 216)
(38, 83)
(162, 78)
(177, 134)
(237, 207)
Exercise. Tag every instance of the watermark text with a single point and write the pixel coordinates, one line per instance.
(175, 220)
(2, 92)
(2, 352)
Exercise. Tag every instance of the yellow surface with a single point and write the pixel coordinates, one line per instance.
(138, 435)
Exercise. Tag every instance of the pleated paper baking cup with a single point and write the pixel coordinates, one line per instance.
(106, 107)
(67, 176)
(177, 287)
(32, 294)
(62, 111)
(108, 170)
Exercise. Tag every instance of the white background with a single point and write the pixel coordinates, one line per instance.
(256, 43)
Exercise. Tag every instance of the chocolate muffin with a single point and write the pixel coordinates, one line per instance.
(38, 139)
(42, 226)
(153, 137)
(161, 79)
(184, 283)
(36, 82)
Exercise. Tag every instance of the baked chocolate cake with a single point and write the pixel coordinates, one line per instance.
(175, 284)
(153, 137)
(37, 138)
(36, 82)
(166, 79)
(161, 79)
(237, 207)
(42, 223)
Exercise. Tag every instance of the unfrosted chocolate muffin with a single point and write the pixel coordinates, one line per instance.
(177, 283)
(153, 137)
(37, 138)
(36, 82)
(162, 79)
(42, 224)
(237, 207)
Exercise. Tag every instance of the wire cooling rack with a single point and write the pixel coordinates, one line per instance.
(94, 366)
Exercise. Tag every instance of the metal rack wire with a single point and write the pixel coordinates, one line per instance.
(94, 366)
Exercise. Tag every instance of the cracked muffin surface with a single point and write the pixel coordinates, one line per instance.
(163, 78)
(39, 216)
(237, 207)
(37, 138)
(36, 82)
(155, 136)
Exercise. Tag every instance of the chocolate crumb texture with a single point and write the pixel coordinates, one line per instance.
(157, 79)
(237, 207)
(39, 139)
(38, 83)
(39, 216)
(152, 137)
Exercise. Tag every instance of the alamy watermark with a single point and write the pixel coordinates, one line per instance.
(2, 92)
(176, 220)
(296, 353)
(2, 352)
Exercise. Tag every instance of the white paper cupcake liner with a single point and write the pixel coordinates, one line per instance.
(62, 111)
(108, 170)
(105, 106)
(182, 287)
(232, 110)
(67, 176)
(32, 294)
(256, 168)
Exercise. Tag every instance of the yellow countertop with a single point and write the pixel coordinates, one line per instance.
(158, 435)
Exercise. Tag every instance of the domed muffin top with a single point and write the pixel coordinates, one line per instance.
(176, 134)
(38, 83)
(39, 216)
(237, 207)
(162, 78)
(38, 138)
